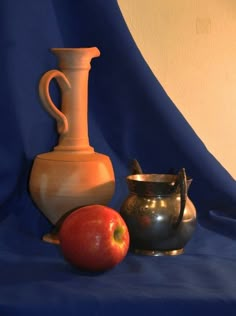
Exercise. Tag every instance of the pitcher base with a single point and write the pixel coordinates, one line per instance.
(51, 238)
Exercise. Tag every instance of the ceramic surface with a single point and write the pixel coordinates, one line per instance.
(73, 174)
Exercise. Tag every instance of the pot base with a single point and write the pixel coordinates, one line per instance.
(159, 252)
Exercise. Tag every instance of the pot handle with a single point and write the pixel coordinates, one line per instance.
(50, 107)
(182, 183)
(135, 167)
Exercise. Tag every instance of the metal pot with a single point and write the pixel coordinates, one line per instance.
(158, 212)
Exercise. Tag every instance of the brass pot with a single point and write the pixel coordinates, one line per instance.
(159, 214)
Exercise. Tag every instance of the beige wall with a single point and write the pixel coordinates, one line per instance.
(190, 46)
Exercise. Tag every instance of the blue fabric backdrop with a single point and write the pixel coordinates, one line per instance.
(129, 113)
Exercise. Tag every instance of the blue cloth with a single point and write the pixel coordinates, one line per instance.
(130, 116)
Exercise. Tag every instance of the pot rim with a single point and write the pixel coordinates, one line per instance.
(154, 178)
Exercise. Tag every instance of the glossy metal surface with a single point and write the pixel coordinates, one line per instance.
(158, 253)
(152, 214)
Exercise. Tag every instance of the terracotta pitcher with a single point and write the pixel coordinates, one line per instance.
(73, 174)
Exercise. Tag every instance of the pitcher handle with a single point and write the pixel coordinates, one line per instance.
(50, 107)
(182, 181)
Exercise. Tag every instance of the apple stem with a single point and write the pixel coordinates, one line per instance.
(118, 234)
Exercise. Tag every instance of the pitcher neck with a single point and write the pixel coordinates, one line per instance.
(75, 64)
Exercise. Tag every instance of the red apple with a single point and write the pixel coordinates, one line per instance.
(94, 238)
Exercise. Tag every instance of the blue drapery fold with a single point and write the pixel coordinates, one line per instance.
(130, 116)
